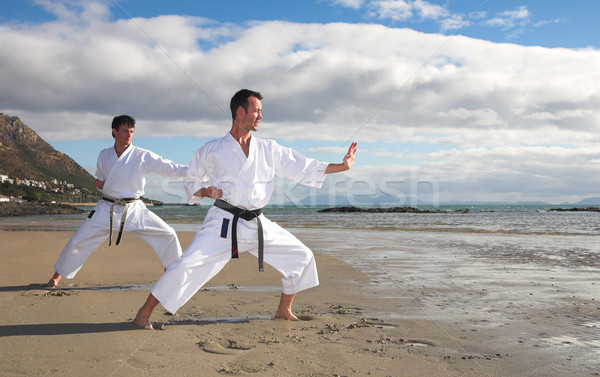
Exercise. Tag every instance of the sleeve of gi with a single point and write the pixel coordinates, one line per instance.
(165, 168)
(294, 166)
(196, 177)
(100, 173)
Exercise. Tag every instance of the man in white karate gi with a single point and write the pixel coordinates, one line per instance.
(120, 176)
(238, 171)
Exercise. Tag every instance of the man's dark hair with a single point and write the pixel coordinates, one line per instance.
(122, 119)
(241, 99)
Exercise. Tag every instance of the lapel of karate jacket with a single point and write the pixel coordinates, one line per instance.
(249, 165)
(118, 171)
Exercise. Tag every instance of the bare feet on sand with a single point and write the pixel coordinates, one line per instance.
(286, 314)
(287, 318)
(284, 310)
(52, 283)
(142, 321)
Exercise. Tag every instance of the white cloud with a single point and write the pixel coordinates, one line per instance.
(428, 10)
(547, 22)
(515, 22)
(510, 19)
(396, 10)
(473, 118)
(454, 22)
(317, 79)
(328, 150)
(491, 174)
(402, 10)
(536, 171)
(354, 4)
(368, 83)
(387, 154)
(76, 11)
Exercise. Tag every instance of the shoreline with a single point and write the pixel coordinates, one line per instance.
(94, 204)
(81, 204)
(352, 323)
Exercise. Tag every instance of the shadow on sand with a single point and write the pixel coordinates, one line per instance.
(64, 328)
(31, 287)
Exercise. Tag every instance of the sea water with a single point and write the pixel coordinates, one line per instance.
(501, 219)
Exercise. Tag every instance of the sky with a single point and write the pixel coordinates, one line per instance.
(449, 101)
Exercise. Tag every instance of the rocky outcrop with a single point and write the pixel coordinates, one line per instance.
(388, 210)
(34, 208)
(575, 209)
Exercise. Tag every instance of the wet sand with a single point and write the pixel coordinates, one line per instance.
(350, 325)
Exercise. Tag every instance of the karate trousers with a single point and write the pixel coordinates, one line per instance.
(209, 253)
(95, 230)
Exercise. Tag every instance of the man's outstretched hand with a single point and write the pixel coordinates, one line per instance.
(349, 157)
(346, 163)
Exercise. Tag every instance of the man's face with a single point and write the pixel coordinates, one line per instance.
(123, 135)
(252, 117)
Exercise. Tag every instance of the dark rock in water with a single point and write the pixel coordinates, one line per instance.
(389, 210)
(575, 209)
(35, 208)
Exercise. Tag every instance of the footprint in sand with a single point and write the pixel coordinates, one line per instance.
(305, 317)
(213, 347)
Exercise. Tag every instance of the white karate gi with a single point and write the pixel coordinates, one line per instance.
(124, 177)
(247, 182)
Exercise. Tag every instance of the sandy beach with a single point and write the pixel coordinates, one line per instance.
(350, 326)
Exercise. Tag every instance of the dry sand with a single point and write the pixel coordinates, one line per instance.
(83, 328)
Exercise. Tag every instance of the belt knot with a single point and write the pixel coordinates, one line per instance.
(120, 202)
(247, 215)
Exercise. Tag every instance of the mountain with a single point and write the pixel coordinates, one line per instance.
(588, 201)
(24, 154)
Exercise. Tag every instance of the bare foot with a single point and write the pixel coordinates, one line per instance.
(143, 322)
(287, 315)
(284, 310)
(52, 283)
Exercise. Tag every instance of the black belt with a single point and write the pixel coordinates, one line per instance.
(122, 202)
(246, 215)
